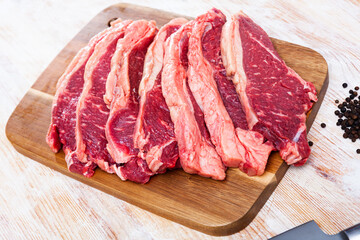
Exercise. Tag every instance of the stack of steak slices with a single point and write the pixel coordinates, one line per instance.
(91, 112)
(63, 126)
(196, 151)
(214, 91)
(154, 131)
(202, 95)
(124, 107)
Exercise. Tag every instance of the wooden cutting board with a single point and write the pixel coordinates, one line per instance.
(213, 207)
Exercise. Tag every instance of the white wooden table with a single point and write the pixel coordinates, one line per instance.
(37, 202)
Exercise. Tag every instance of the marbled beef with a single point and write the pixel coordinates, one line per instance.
(216, 94)
(274, 97)
(124, 82)
(197, 154)
(63, 117)
(154, 131)
(91, 111)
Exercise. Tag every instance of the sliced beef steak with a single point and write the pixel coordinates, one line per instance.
(203, 86)
(125, 77)
(91, 112)
(63, 119)
(274, 98)
(216, 94)
(154, 131)
(197, 154)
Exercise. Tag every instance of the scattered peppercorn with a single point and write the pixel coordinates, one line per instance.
(348, 113)
(323, 125)
(310, 143)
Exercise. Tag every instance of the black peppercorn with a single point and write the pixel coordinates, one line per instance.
(348, 114)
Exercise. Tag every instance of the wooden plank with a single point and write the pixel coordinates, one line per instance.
(213, 207)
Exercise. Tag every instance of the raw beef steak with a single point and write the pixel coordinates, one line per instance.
(274, 98)
(216, 95)
(63, 119)
(154, 131)
(197, 154)
(125, 77)
(91, 111)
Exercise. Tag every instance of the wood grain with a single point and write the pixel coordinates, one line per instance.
(213, 207)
